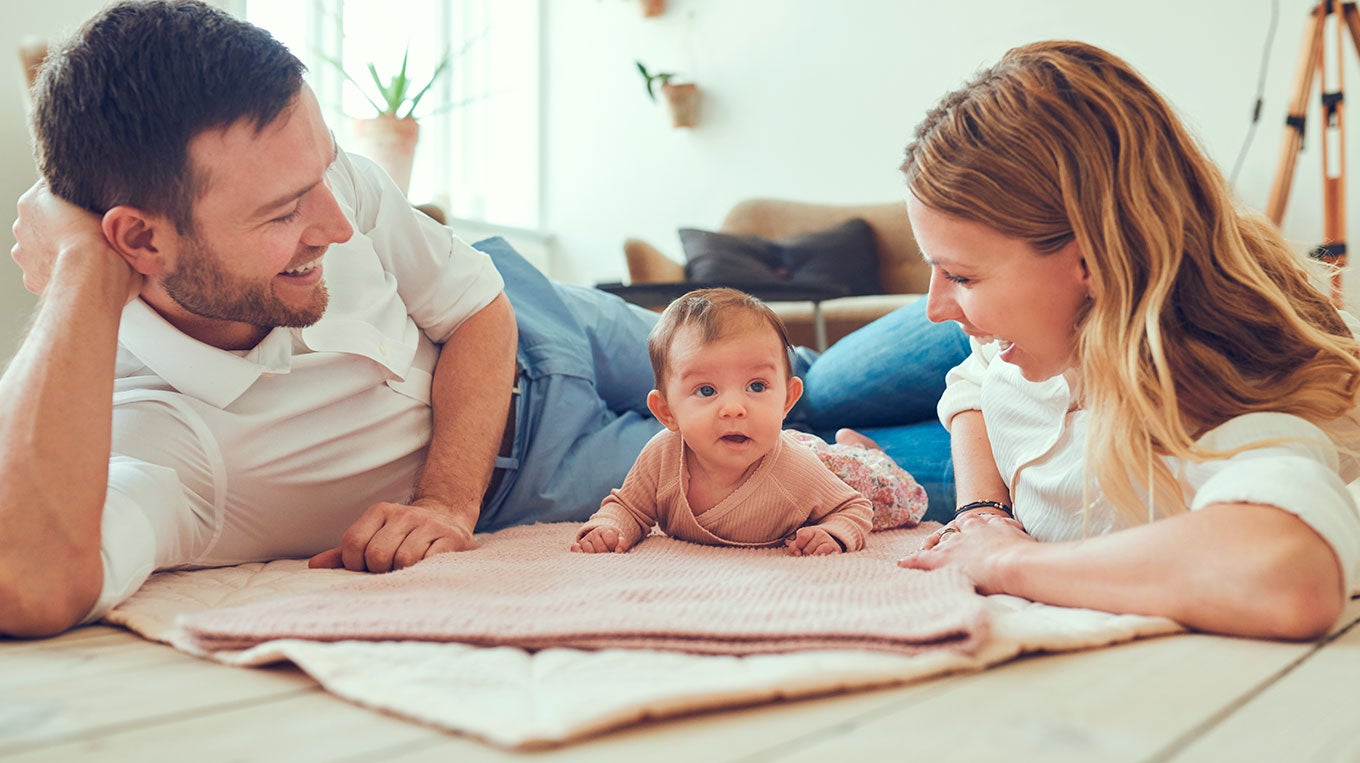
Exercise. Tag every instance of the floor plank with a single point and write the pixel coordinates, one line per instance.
(78, 661)
(298, 728)
(129, 683)
(88, 633)
(1122, 703)
(1310, 714)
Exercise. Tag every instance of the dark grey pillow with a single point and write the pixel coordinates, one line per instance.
(845, 255)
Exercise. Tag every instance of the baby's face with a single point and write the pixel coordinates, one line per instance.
(728, 397)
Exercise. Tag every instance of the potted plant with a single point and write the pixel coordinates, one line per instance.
(681, 97)
(390, 137)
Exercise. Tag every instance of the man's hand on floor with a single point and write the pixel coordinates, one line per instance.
(392, 536)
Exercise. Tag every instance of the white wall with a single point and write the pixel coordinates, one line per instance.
(815, 100)
(44, 20)
(804, 99)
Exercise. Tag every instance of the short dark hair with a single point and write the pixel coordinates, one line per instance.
(117, 104)
(712, 311)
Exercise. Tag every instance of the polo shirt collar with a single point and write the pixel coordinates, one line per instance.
(215, 376)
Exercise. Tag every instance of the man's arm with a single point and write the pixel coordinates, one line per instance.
(470, 400)
(56, 410)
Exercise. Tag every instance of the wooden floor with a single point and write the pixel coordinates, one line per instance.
(100, 693)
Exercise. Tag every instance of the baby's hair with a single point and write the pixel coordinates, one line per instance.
(713, 312)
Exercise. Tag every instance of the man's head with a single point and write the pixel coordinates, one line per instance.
(118, 104)
(192, 134)
(723, 377)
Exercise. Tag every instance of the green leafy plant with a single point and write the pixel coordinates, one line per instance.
(395, 95)
(652, 78)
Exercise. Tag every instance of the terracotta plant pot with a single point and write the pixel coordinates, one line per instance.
(652, 8)
(391, 142)
(683, 100)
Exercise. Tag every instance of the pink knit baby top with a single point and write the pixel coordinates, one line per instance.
(788, 489)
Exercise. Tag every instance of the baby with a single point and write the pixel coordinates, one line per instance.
(724, 472)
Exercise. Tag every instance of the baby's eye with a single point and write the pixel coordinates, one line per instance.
(757, 386)
(706, 391)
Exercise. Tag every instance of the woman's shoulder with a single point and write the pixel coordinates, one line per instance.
(1271, 429)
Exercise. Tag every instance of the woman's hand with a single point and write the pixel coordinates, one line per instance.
(975, 541)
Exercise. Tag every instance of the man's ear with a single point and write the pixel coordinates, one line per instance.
(795, 391)
(656, 403)
(139, 237)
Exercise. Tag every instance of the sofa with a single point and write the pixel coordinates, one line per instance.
(902, 274)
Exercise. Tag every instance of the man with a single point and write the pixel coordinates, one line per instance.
(249, 346)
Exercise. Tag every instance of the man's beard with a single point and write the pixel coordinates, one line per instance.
(201, 286)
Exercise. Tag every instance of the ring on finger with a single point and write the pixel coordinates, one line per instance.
(948, 530)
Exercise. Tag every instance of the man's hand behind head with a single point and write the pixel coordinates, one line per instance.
(49, 227)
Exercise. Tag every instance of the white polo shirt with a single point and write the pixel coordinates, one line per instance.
(1038, 444)
(220, 458)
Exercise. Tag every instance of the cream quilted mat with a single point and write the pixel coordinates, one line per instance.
(517, 698)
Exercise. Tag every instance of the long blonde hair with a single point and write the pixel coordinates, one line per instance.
(1201, 311)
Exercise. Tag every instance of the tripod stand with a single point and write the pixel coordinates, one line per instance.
(1313, 61)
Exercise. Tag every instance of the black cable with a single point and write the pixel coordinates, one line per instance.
(1260, 92)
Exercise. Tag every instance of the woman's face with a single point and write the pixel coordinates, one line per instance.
(997, 287)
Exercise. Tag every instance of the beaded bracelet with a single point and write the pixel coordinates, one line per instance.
(984, 505)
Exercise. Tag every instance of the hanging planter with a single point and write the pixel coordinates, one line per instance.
(681, 97)
(683, 100)
(652, 8)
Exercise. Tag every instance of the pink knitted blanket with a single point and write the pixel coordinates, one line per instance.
(523, 588)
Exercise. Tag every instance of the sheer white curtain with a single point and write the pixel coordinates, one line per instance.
(478, 155)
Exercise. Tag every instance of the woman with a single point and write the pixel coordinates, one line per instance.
(1157, 385)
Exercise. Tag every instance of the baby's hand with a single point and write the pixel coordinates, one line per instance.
(601, 540)
(813, 541)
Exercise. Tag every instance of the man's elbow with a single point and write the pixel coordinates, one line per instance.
(45, 605)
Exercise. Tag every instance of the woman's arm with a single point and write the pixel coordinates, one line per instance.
(976, 477)
(1241, 569)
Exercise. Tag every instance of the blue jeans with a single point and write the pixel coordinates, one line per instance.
(581, 417)
(885, 380)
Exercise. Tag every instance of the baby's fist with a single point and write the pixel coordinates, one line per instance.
(813, 541)
(600, 540)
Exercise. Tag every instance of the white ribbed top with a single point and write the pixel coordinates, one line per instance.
(1039, 447)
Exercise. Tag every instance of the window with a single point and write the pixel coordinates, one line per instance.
(478, 155)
